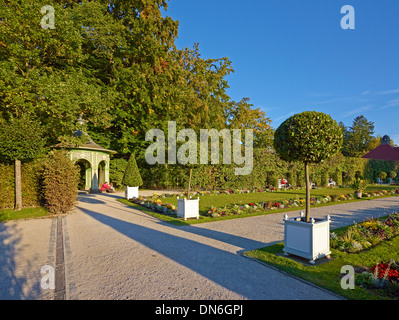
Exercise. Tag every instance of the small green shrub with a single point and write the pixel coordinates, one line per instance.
(60, 182)
(132, 177)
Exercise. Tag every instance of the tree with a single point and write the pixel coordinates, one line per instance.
(382, 175)
(392, 174)
(308, 137)
(132, 175)
(358, 139)
(242, 115)
(21, 139)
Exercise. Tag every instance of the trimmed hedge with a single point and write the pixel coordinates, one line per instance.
(60, 182)
(268, 168)
(31, 184)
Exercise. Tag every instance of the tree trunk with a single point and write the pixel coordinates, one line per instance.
(189, 184)
(307, 216)
(18, 190)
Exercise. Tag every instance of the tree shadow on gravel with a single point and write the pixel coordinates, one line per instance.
(236, 273)
(13, 286)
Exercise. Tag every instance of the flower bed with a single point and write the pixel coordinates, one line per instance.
(156, 204)
(366, 234)
(382, 276)
(159, 204)
(257, 207)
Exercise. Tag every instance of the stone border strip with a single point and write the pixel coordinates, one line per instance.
(59, 293)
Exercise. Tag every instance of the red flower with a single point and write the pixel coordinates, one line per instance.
(382, 270)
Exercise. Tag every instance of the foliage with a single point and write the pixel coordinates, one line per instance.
(358, 139)
(359, 185)
(366, 234)
(116, 62)
(117, 168)
(60, 182)
(382, 175)
(132, 175)
(21, 138)
(308, 137)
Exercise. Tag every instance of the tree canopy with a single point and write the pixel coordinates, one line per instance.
(116, 62)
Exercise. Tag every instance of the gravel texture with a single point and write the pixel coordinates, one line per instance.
(113, 251)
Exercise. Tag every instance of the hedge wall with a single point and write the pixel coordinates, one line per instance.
(268, 168)
(31, 177)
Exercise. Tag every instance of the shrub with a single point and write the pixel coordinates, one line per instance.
(382, 175)
(117, 169)
(132, 177)
(60, 182)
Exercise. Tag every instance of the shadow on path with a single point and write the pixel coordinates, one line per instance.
(238, 274)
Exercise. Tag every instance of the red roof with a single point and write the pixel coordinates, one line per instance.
(383, 152)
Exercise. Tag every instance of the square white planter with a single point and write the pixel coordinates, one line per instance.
(309, 240)
(131, 192)
(188, 208)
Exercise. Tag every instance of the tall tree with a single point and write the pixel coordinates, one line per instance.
(358, 138)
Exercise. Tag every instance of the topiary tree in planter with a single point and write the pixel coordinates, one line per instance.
(392, 175)
(132, 179)
(308, 137)
(382, 175)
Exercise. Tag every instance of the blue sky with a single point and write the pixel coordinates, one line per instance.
(291, 56)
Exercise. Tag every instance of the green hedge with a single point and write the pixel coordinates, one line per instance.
(31, 180)
(268, 168)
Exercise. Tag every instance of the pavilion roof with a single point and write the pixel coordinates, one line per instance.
(383, 152)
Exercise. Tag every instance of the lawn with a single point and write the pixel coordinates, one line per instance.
(25, 213)
(328, 275)
(222, 200)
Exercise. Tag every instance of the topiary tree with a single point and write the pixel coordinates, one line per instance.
(392, 174)
(382, 175)
(132, 177)
(308, 137)
(60, 182)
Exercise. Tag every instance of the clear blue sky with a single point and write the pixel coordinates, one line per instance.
(291, 56)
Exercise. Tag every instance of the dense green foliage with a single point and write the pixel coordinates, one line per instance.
(31, 184)
(116, 62)
(308, 137)
(60, 182)
(132, 177)
(358, 138)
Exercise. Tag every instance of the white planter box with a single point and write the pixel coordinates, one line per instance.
(309, 240)
(131, 192)
(188, 208)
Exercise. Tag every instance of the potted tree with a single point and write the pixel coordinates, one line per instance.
(132, 179)
(308, 137)
(382, 175)
(188, 207)
(359, 185)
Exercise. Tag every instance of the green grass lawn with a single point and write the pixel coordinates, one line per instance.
(328, 275)
(221, 200)
(25, 213)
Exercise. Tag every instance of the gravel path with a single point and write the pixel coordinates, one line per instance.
(113, 251)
